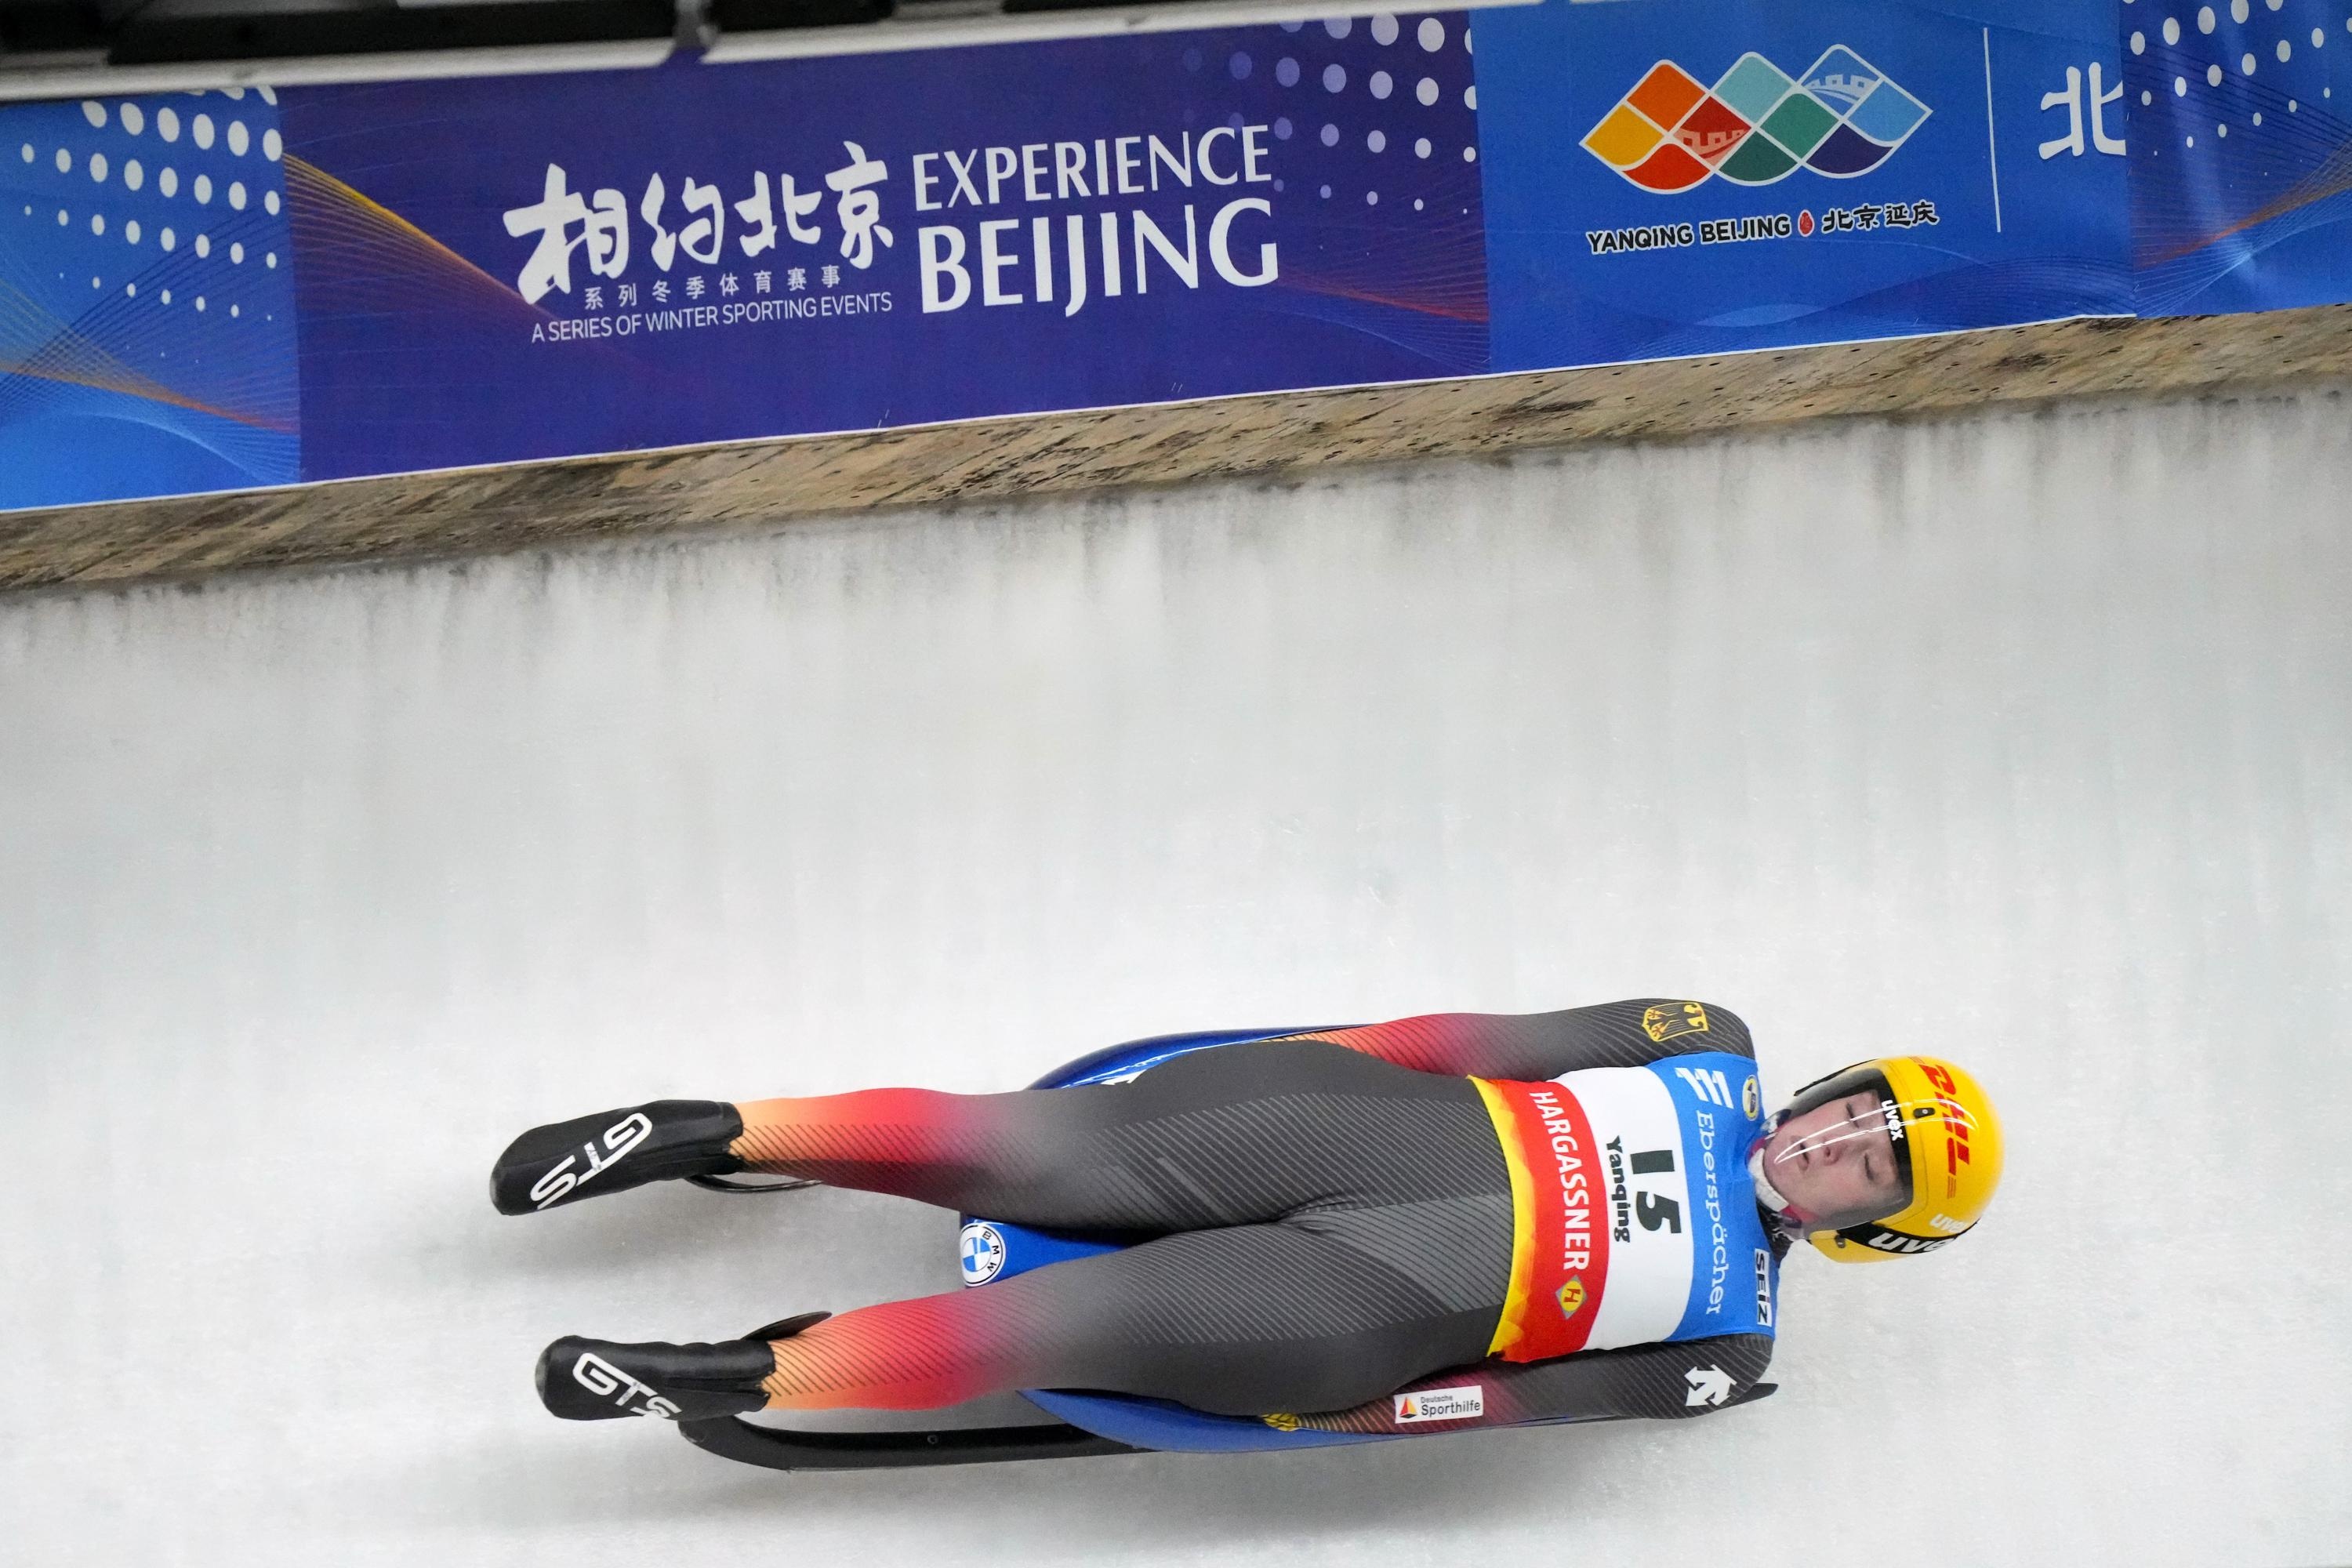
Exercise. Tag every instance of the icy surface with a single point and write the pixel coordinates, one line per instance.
(2025, 738)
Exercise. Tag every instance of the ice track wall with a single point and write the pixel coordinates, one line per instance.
(2024, 738)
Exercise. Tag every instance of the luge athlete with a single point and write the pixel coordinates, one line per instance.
(1496, 1219)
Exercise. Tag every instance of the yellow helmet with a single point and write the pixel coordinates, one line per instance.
(1931, 1122)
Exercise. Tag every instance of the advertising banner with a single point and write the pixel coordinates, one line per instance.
(1671, 178)
(2242, 153)
(224, 289)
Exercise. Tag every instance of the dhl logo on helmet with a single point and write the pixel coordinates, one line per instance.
(1939, 1095)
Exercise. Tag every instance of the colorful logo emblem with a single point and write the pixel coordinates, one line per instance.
(981, 1251)
(1662, 1024)
(1756, 125)
(1572, 1296)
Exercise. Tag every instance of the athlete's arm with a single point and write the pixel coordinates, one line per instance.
(1688, 1377)
(1531, 1047)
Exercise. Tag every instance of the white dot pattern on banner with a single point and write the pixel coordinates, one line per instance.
(97, 167)
(1330, 136)
(237, 252)
(1416, 204)
(1470, 96)
(268, 94)
(270, 198)
(167, 124)
(2205, 19)
(204, 190)
(201, 129)
(2245, 64)
(2221, 131)
(239, 139)
(1469, 154)
(2318, 38)
(131, 231)
(133, 176)
(1326, 193)
(1384, 29)
(167, 295)
(271, 259)
(93, 111)
(1239, 65)
(1421, 148)
(1338, 27)
(2179, 87)
(1371, 198)
(168, 182)
(1432, 34)
(200, 301)
(2145, 97)
(2171, 30)
(236, 310)
(29, 152)
(1382, 84)
(64, 162)
(2213, 75)
(1286, 71)
(1378, 141)
(168, 240)
(1335, 78)
(273, 146)
(2139, 43)
(134, 119)
(1425, 89)
(2238, 10)
(98, 223)
(2286, 51)
(204, 244)
(237, 194)
(1281, 130)
(132, 290)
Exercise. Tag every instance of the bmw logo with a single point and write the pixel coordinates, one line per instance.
(980, 1251)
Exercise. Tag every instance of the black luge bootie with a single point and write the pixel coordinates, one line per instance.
(598, 1380)
(568, 1161)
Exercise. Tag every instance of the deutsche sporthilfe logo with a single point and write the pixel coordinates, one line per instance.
(1757, 124)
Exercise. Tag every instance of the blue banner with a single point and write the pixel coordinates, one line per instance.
(2242, 153)
(495, 269)
(1669, 177)
(147, 318)
(223, 290)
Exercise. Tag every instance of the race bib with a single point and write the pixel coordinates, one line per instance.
(1635, 1220)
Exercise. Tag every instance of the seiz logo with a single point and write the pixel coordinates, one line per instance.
(1764, 1287)
(619, 1138)
(1757, 124)
(602, 1379)
(1954, 1118)
(1710, 1085)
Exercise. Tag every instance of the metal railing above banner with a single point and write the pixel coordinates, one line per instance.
(67, 48)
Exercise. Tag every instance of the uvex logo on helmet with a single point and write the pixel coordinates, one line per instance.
(1757, 124)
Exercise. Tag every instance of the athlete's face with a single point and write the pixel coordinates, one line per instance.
(1836, 1161)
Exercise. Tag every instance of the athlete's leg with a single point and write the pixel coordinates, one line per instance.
(1248, 1320)
(1231, 1135)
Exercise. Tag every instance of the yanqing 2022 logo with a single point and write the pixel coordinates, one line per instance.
(1757, 124)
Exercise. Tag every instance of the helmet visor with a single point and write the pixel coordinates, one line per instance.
(1839, 1155)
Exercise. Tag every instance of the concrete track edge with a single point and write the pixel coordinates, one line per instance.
(521, 506)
